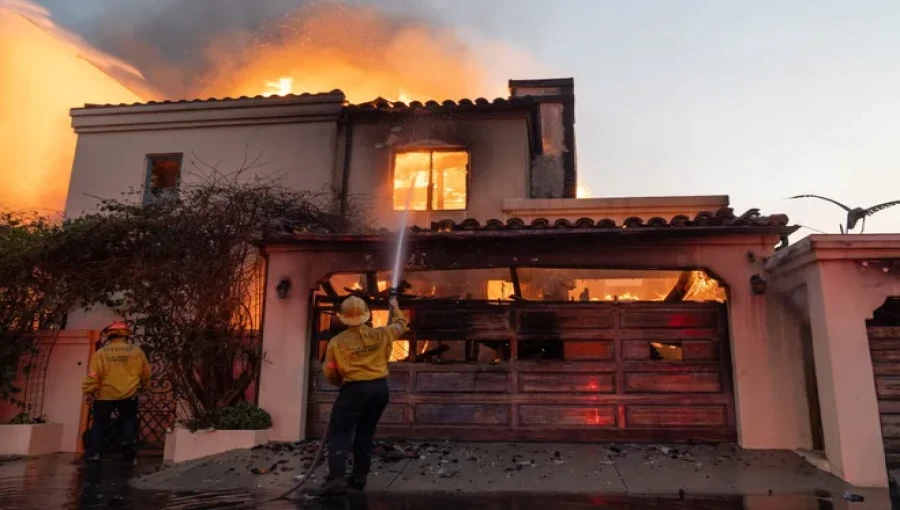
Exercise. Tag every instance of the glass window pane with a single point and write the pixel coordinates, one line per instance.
(449, 178)
(409, 166)
(164, 172)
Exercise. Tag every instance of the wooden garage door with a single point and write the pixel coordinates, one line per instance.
(570, 371)
(884, 345)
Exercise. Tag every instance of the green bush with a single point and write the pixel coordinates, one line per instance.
(24, 419)
(242, 416)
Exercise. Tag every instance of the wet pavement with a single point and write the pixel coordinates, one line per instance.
(55, 482)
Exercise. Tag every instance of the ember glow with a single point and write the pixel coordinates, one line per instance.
(36, 59)
(376, 55)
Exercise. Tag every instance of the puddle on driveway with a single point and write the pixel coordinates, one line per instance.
(56, 483)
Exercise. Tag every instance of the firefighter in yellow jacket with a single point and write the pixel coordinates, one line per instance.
(117, 371)
(357, 361)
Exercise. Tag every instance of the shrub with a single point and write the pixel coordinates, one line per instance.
(242, 416)
(24, 419)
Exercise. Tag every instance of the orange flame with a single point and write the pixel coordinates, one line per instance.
(45, 72)
(373, 57)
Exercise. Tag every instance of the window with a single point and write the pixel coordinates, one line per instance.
(431, 180)
(163, 176)
(543, 284)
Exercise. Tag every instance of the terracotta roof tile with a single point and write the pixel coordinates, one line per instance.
(724, 217)
(377, 105)
(704, 223)
(383, 105)
(218, 99)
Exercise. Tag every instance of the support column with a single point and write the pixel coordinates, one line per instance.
(849, 405)
(753, 375)
(284, 378)
(767, 371)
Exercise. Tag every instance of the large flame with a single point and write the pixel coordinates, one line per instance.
(359, 50)
(45, 71)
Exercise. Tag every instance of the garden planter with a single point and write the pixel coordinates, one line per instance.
(32, 440)
(183, 445)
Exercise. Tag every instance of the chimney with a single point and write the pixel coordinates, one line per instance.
(553, 171)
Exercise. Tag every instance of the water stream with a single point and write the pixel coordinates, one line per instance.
(396, 274)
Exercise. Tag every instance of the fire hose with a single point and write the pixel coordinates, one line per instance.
(306, 476)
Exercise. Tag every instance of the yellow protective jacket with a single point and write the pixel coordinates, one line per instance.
(361, 353)
(117, 371)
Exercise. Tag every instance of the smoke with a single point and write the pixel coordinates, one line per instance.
(203, 48)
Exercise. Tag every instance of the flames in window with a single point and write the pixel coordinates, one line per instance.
(431, 180)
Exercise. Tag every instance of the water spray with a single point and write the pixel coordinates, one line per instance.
(398, 259)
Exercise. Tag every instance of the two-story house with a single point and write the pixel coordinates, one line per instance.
(535, 315)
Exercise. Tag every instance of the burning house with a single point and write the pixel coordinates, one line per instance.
(535, 315)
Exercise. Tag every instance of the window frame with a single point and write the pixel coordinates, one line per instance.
(151, 195)
(430, 191)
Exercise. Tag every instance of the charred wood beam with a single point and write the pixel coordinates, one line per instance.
(427, 355)
(682, 287)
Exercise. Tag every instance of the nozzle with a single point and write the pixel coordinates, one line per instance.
(393, 292)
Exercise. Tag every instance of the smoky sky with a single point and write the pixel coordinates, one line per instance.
(169, 40)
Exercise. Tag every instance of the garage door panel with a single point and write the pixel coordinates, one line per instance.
(656, 382)
(597, 376)
(556, 319)
(541, 415)
(562, 382)
(462, 382)
(676, 416)
(471, 414)
(678, 318)
(575, 351)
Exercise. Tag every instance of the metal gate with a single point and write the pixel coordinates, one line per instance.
(562, 371)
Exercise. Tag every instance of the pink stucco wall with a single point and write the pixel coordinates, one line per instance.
(823, 279)
(768, 416)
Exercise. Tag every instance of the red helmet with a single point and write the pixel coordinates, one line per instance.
(116, 329)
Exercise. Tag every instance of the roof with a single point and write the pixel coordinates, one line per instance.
(724, 217)
(378, 105)
(273, 99)
(448, 106)
(720, 222)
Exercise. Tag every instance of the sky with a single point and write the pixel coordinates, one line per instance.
(756, 100)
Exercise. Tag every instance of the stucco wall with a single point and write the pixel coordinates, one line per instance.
(823, 276)
(108, 163)
(498, 163)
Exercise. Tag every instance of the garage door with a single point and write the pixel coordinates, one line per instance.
(568, 371)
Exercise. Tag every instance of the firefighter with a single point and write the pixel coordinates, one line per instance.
(118, 370)
(357, 361)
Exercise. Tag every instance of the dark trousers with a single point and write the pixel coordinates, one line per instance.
(354, 417)
(102, 410)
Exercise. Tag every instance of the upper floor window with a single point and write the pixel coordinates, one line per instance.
(163, 176)
(439, 180)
